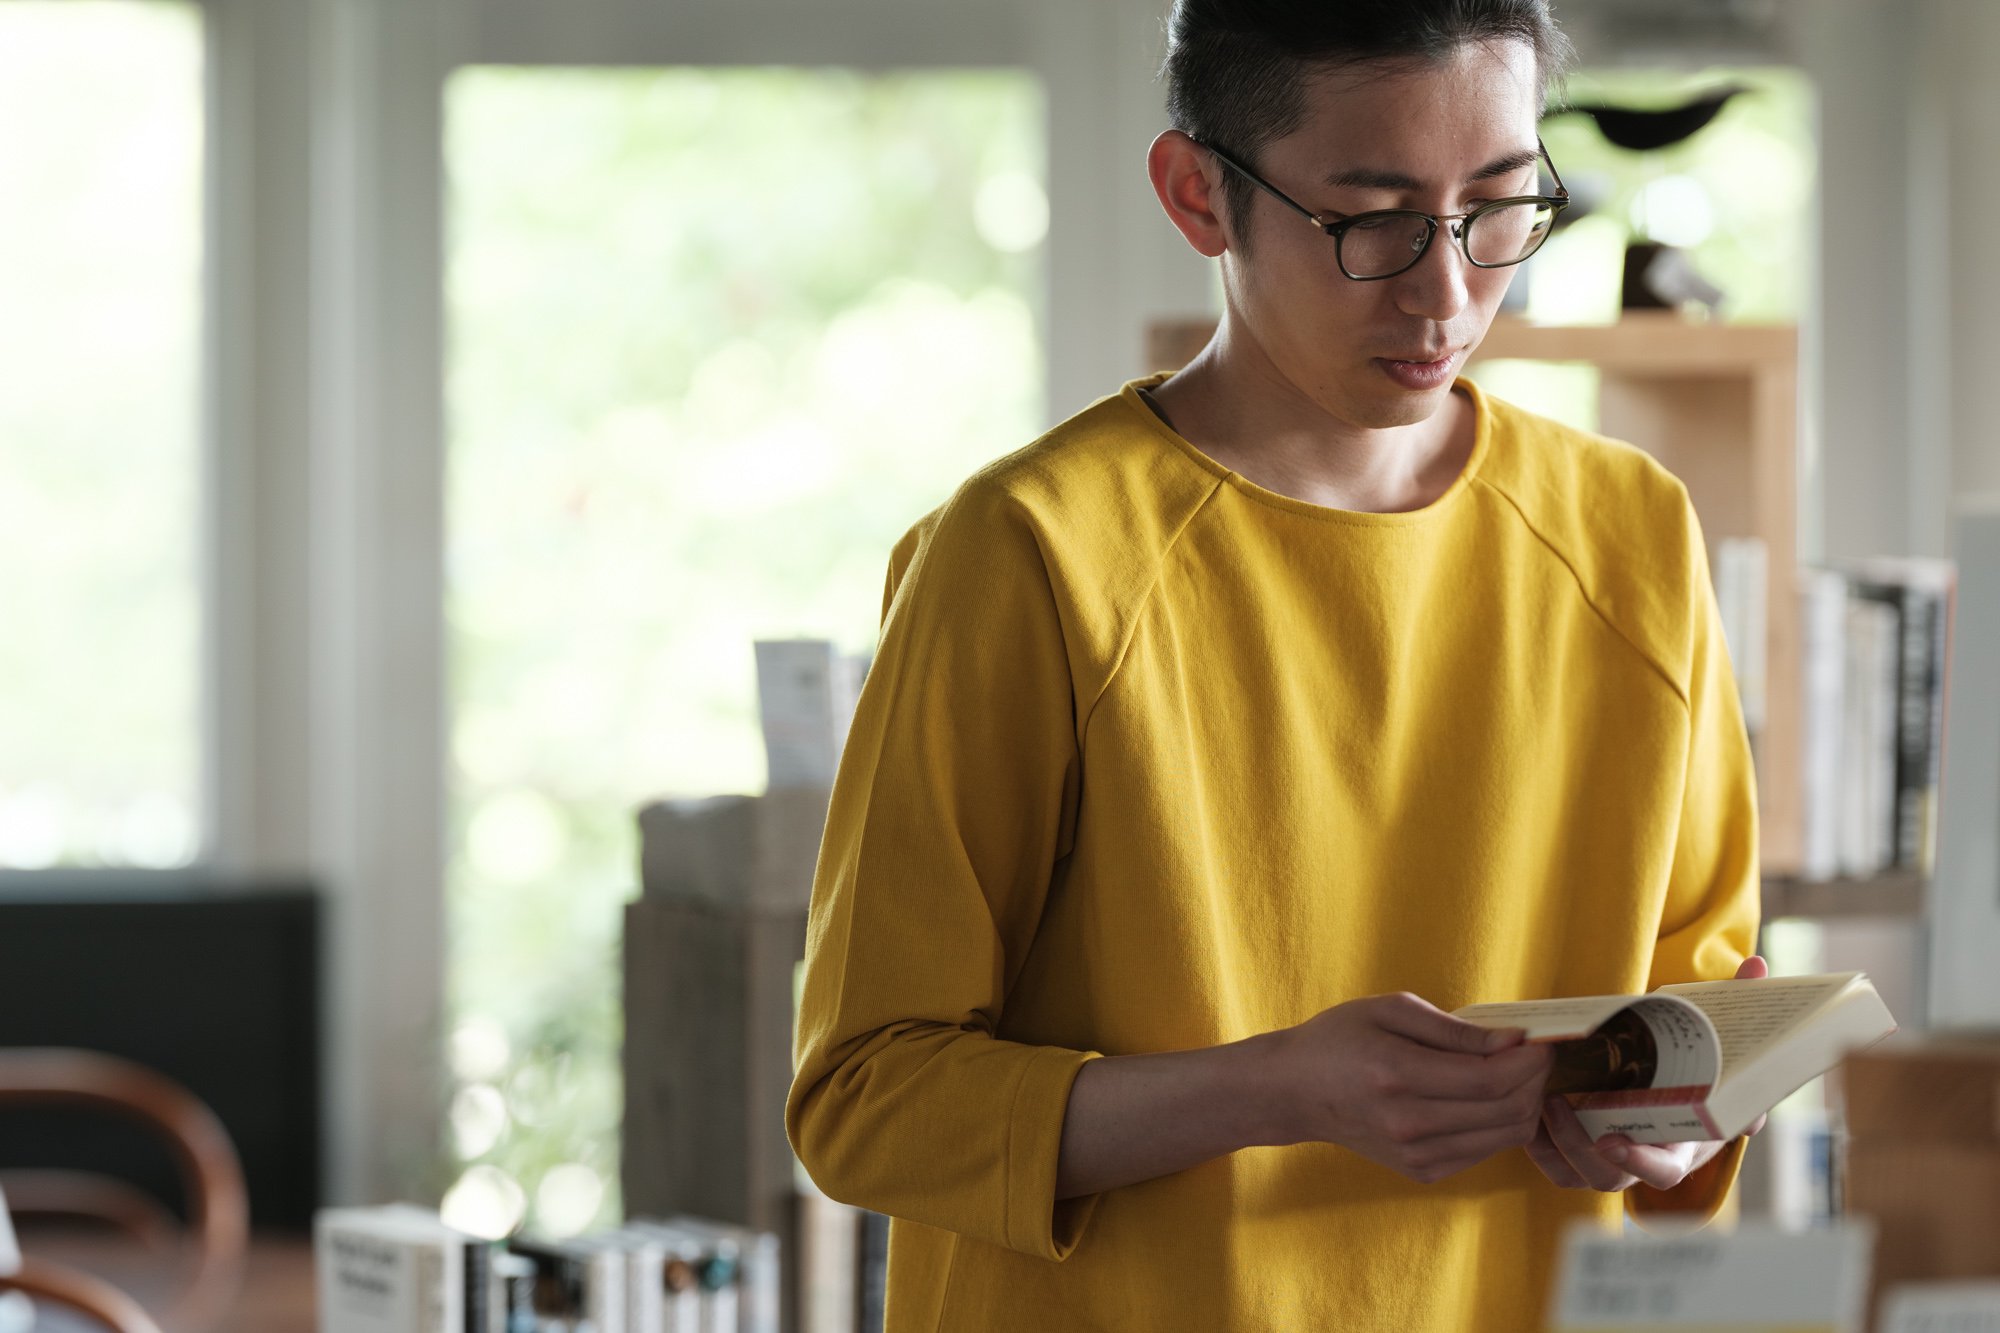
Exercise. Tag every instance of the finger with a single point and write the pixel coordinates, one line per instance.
(1590, 1160)
(1437, 1158)
(1545, 1155)
(1755, 1125)
(1661, 1165)
(1518, 1112)
(1421, 1021)
(1438, 1075)
(1754, 968)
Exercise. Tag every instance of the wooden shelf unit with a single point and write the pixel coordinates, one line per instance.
(1896, 893)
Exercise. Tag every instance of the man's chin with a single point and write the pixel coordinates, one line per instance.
(1399, 407)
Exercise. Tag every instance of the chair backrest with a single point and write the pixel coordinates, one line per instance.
(218, 1206)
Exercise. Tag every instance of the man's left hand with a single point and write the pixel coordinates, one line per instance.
(1567, 1156)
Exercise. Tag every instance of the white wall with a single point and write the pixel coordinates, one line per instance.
(1910, 123)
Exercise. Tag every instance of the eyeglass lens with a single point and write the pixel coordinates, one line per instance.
(1379, 247)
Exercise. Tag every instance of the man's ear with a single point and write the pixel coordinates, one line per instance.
(1188, 180)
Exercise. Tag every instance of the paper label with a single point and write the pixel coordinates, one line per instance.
(1757, 1278)
(1942, 1307)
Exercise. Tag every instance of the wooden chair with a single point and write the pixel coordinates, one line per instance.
(217, 1204)
(90, 1296)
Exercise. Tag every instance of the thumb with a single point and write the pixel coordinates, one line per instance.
(1754, 969)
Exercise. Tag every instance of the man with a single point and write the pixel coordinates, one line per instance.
(1211, 731)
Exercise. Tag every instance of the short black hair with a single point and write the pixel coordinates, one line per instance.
(1236, 70)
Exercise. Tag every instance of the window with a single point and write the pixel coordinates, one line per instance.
(1736, 197)
(717, 338)
(100, 334)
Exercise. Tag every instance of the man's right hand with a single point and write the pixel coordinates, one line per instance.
(1401, 1082)
(1390, 1077)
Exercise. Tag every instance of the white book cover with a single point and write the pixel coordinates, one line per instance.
(1755, 1279)
(711, 1299)
(806, 692)
(748, 1302)
(1742, 580)
(1884, 715)
(1868, 738)
(382, 1270)
(1823, 634)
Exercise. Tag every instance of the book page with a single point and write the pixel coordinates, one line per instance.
(1547, 1020)
(1690, 1051)
(1750, 1015)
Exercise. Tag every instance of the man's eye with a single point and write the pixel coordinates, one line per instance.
(1367, 222)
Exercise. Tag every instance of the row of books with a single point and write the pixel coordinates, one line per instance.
(843, 1265)
(400, 1268)
(1874, 637)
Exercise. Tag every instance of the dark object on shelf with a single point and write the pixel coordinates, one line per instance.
(1643, 130)
(1660, 277)
(213, 985)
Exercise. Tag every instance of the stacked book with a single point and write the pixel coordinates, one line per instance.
(1874, 639)
(843, 1265)
(401, 1269)
(1872, 652)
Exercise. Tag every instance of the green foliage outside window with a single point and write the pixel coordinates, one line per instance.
(100, 406)
(717, 338)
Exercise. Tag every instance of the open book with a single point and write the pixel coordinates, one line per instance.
(1695, 1061)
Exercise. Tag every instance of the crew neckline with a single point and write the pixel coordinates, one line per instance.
(1482, 419)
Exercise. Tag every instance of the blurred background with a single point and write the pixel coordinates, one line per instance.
(415, 409)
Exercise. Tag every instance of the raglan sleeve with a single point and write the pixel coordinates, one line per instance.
(954, 801)
(1709, 925)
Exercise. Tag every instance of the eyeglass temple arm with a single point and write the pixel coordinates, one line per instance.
(1265, 185)
(1562, 190)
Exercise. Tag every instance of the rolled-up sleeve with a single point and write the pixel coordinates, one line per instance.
(954, 803)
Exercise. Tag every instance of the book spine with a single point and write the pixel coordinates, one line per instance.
(1855, 833)
(478, 1287)
(1823, 634)
(874, 1276)
(1936, 648)
(1915, 771)
(433, 1298)
(1915, 611)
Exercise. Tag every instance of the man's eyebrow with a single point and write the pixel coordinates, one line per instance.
(1363, 178)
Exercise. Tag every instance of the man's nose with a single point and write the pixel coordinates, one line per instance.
(1435, 286)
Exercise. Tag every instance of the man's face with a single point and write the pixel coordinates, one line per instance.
(1422, 137)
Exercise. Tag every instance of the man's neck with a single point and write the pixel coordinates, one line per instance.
(1230, 403)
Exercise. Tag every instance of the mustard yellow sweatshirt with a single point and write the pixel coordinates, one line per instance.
(1152, 758)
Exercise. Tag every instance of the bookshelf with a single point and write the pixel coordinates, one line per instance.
(1895, 893)
(1718, 405)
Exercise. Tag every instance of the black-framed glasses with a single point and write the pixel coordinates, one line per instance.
(1387, 241)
